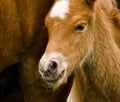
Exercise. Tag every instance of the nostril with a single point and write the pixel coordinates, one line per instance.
(52, 67)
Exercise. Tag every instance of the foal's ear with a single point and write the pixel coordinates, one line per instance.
(90, 3)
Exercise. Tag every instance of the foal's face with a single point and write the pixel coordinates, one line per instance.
(69, 27)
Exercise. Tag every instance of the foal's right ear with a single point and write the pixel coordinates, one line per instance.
(90, 3)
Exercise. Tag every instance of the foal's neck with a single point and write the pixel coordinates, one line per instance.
(103, 65)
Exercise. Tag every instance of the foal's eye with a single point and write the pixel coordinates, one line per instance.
(80, 27)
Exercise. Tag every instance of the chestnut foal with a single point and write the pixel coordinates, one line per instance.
(81, 34)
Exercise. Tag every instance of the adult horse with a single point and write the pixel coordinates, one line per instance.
(22, 41)
(82, 34)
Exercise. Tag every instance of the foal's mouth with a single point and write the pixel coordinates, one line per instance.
(53, 78)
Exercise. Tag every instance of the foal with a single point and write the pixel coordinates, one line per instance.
(81, 35)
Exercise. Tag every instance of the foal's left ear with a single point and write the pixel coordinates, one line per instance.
(90, 3)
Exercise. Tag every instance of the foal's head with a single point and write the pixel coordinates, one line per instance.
(70, 27)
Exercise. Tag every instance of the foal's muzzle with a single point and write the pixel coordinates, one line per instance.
(52, 67)
(51, 74)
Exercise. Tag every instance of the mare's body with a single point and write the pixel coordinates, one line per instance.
(23, 39)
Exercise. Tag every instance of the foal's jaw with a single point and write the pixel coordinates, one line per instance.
(52, 68)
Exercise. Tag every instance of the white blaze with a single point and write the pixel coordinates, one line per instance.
(60, 9)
